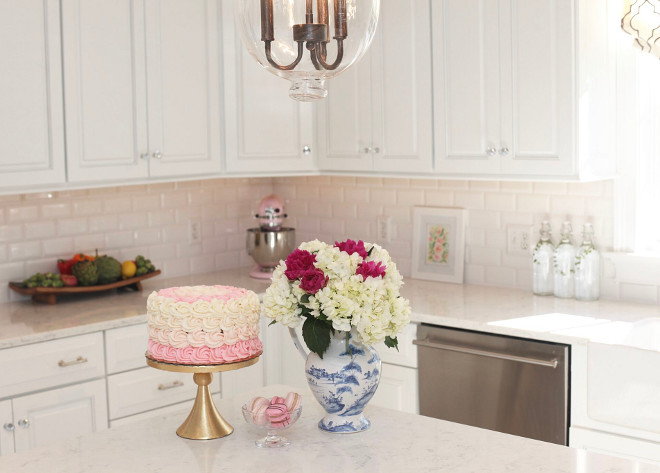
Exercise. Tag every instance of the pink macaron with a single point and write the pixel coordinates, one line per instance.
(293, 401)
(257, 408)
(278, 414)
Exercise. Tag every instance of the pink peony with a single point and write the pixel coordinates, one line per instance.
(299, 262)
(313, 281)
(375, 270)
(350, 247)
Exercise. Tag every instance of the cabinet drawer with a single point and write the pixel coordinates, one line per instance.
(125, 348)
(182, 409)
(148, 388)
(407, 354)
(53, 363)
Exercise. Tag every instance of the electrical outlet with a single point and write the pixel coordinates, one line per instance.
(194, 231)
(384, 232)
(518, 239)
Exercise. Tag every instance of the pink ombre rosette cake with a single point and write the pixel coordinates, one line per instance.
(203, 325)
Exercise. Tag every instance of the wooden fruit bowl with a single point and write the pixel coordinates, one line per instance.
(48, 295)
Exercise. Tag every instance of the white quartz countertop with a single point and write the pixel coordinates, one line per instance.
(396, 442)
(497, 310)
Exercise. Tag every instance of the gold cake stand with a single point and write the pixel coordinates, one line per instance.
(204, 421)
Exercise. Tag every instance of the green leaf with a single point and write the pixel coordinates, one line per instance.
(272, 323)
(392, 342)
(316, 334)
(305, 298)
(370, 250)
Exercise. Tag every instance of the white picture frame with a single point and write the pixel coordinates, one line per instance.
(438, 244)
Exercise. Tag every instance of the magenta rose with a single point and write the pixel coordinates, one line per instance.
(298, 263)
(313, 281)
(350, 247)
(375, 270)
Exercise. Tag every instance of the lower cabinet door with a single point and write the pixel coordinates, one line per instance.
(612, 444)
(7, 428)
(55, 415)
(240, 381)
(397, 389)
(147, 388)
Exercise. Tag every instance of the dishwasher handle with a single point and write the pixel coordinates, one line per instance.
(489, 354)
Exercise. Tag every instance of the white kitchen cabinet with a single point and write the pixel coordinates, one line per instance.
(31, 112)
(142, 87)
(535, 95)
(52, 363)
(618, 445)
(7, 428)
(378, 115)
(51, 416)
(398, 389)
(125, 348)
(147, 388)
(266, 131)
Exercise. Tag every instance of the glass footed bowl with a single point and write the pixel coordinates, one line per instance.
(272, 429)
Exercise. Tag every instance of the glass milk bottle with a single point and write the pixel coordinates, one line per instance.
(542, 263)
(563, 262)
(587, 267)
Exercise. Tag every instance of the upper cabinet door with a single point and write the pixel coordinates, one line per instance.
(538, 77)
(183, 84)
(266, 130)
(105, 85)
(467, 86)
(345, 121)
(402, 89)
(31, 113)
(6, 436)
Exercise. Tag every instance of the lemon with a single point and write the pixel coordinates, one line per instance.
(128, 269)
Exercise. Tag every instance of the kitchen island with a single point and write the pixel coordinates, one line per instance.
(396, 442)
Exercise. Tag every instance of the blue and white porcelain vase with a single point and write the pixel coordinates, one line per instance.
(343, 381)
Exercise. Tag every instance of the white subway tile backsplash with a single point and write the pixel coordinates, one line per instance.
(22, 214)
(24, 250)
(55, 210)
(533, 203)
(344, 210)
(129, 221)
(439, 199)
(145, 202)
(174, 233)
(500, 276)
(87, 207)
(410, 197)
(117, 205)
(501, 202)
(88, 243)
(485, 256)
(147, 236)
(38, 230)
(567, 206)
(103, 223)
(380, 196)
(469, 200)
(71, 226)
(119, 240)
(58, 247)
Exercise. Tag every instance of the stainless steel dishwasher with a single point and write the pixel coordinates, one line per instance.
(507, 384)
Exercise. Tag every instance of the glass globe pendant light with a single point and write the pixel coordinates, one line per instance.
(641, 19)
(307, 41)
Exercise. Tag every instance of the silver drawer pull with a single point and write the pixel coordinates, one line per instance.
(78, 361)
(490, 354)
(175, 384)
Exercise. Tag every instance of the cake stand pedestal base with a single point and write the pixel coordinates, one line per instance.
(204, 421)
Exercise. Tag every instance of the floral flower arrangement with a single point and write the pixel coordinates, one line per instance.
(348, 285)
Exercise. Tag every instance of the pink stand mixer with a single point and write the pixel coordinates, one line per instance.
(270, 243)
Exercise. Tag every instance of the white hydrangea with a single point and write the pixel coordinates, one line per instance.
(372, 306)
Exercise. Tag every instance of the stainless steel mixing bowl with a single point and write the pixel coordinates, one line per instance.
(267, 248)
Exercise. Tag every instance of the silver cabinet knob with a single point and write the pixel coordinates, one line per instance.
(491, 151)
(366, 150)
(504, 151)
(25, 423)
(9, 427)
(157, 154)
(307, 150)
(145, 156)
(375, 150)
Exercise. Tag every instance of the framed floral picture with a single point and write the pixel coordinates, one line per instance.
(438, 244)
